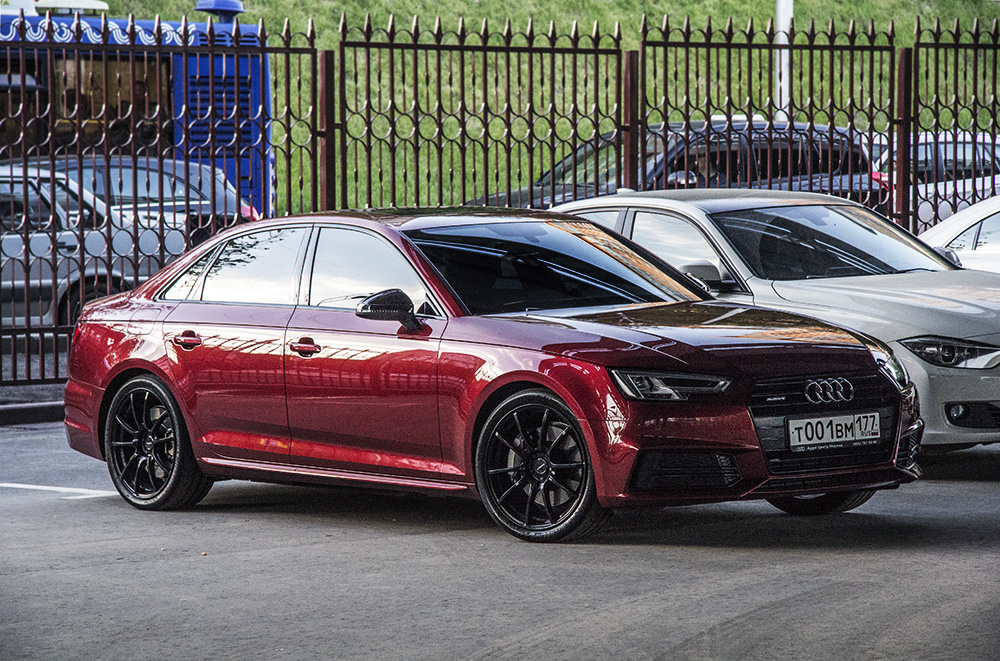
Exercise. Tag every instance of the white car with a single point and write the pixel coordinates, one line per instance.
(837, 261)
(973, 233)
(54, 247)
(951, 171)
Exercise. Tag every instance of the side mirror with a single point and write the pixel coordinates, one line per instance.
(705, 271)
(681, 179)
(949, 254)
(390, 305)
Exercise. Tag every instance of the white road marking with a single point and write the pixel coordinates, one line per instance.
(77, 493)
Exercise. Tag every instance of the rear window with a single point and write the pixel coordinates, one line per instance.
(539, 265)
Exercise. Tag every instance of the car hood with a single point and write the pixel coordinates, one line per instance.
(708, 336)
(964, 304)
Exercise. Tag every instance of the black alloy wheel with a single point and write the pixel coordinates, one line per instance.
(824, 503)
(147, 449)
(533, 470)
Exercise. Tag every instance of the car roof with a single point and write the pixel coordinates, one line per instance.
(405, 219)
(715, 200)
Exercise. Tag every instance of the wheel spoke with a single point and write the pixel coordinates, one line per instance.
(558, 439)
(578, 464)
(135, 414)
(511, 490)
(165, 439)
(133, 464)
(159, 462)
(516, 450)
(501, 471)
(547, 501)
(145, 410)
(532, 492)
(150, 474)
(131, 430)
(562, 486)
(520, 429)
(543, 429)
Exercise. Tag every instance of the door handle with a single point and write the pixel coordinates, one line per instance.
(67, 246)
(305, 347)
(187, 340)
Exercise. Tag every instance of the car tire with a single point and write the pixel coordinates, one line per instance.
(147, 449)
(826, 503)
(534, 472)
(72, 305)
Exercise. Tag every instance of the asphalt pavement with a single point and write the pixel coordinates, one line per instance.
(261, 571)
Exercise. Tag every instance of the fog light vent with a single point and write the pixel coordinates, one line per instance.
(685, 470)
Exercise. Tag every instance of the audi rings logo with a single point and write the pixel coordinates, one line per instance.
(828, 391)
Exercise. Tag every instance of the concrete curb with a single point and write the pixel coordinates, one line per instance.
(30, 412)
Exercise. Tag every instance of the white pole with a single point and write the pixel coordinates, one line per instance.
(783, 10)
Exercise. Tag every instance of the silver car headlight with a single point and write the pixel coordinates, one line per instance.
(951, 352)
(888, 363)
(671, 386)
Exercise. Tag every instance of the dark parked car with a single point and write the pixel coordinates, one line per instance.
(534, 360)
(742, 153)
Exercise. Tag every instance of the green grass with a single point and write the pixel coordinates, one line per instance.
(426, 148)
(325, 14)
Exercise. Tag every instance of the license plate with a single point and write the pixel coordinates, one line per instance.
(842, 430)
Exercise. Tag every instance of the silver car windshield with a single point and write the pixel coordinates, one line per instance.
(823, 241)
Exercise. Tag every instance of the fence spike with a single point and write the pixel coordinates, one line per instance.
(686, 27)
(851, 32)
(210, 31)
(415, 27)
(530, 33)
(665, 25)
(871, 31)
(506, 30)
(485, 31)
(574, 32)
(437, 29)
(975, 29)
(750, 32)
(236, 30)
(892, 30)
(343, 25)
(286, 31)
(643, 26)
(708, 28)
(461, 29)
(184, 30)
(729, 28)
(618, 32)
(995, 30)
(957, 29)
(368, 25)
(769, 29)
(937, 27)
(390, 27)
(262, 33)
(552, 32)
(596, 34)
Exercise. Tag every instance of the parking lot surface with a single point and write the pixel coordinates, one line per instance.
(279, 572)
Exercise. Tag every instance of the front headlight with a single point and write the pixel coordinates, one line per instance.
(645, 384)
(951, 352)
(888, 363)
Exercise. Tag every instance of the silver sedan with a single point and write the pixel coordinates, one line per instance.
(837, 261)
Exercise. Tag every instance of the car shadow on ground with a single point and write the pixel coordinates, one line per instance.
(891, 520)
(979, 464)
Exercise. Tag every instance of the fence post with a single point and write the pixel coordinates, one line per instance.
(904, 129)
(328, 129)
(630, 121)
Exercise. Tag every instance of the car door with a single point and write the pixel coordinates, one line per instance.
(225, 342)
(682, 244)
(362, 393)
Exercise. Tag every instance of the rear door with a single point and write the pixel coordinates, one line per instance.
(225, 342)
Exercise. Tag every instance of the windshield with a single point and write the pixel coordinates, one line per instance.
(544, 265)
(820, 241)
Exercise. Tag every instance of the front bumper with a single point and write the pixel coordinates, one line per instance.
(941, 387)
(741, 453)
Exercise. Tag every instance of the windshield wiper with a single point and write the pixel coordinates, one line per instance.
(913, 270)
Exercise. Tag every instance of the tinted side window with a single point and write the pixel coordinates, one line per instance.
(782, 158)
(256, 268)
(674, 240)
(966, 239)
(605, 217)
(181, 287)
(350, 265)
(16, 208)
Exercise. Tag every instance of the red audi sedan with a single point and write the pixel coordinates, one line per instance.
(537, 361)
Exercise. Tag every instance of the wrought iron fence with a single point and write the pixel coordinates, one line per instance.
(123, 143)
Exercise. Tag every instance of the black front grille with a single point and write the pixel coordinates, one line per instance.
(909, 445)
(685, 469)
(773, 401)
